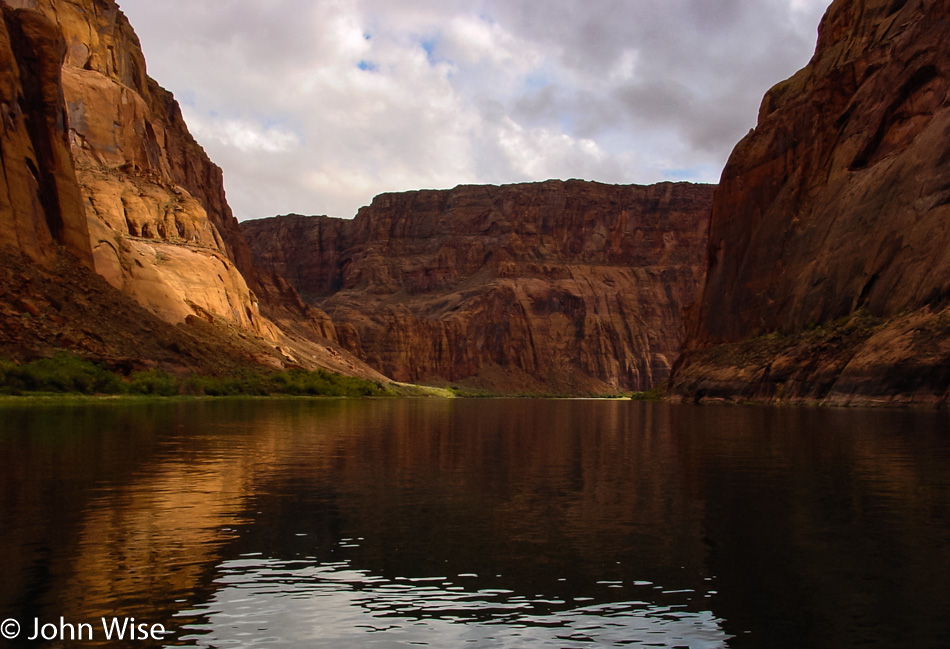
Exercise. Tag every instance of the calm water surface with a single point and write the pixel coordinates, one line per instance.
(478, 523)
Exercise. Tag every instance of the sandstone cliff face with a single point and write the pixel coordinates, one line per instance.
(564, 286)
(160, 227)
(97, 163)
(834, 210)
(40, 201)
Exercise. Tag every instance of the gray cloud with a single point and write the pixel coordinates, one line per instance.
(316, 106)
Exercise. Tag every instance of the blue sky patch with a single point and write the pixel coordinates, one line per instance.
(704, 173)
(428, 44)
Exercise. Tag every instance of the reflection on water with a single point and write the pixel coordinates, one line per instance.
(312, 603)
(488, 523)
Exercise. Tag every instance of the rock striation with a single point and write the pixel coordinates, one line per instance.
(554, 286)
(828, 275)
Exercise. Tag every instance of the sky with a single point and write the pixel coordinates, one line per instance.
(316, 106)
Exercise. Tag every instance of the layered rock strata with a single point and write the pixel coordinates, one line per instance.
(555, 286)
(831, 219)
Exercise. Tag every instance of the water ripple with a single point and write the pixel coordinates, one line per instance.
(299, 603)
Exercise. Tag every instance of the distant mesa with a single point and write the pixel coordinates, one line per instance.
(563, 287)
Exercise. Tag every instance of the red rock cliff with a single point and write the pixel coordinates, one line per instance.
(40, 200)
(566, 286)
(831, 221)
(97, 161)
(160, 226)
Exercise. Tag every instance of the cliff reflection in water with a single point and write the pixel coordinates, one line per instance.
(485, 521)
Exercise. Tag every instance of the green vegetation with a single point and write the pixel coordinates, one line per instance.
(412, 390)
(834, 338)
(61, 373)
(155, 382)
(67, 374)
(294, 382)
(656, 393)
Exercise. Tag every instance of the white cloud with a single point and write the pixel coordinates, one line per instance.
(315, 106)
(809, 7)
(243, 135)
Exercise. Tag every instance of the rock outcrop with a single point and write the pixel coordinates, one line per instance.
(40, 203)
(555, 286)
(828, 275)
(160, 226)
(99, 171)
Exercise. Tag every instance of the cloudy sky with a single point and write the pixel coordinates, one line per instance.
(316, 106)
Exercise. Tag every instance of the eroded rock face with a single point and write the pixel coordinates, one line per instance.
(837, 204)
(564, 286)
(40, 201)
(160, 227)
(97, 162)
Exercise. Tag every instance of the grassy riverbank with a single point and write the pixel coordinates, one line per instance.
(65, 374)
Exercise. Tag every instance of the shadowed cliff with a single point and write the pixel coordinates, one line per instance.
(40, 202)
(828, 274)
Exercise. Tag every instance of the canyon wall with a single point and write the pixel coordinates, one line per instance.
(555, 286)
(100, 172)
(828, 273)
(40, 201)
(50, 298)
(160, 226)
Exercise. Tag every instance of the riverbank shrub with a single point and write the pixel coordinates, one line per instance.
(152, 381)
(291, 382)
(59, 373)
(67, 374)
(656, 393)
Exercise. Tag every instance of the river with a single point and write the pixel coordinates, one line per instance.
(473, 523)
